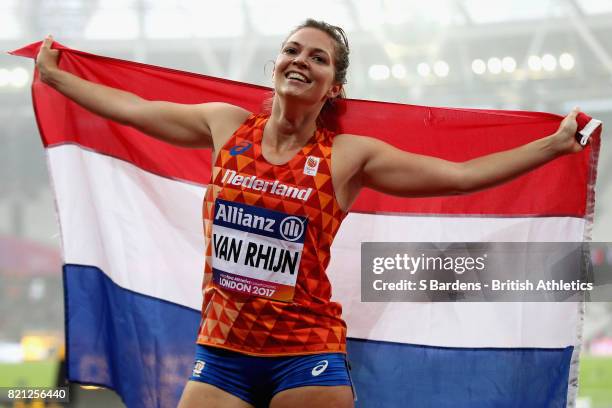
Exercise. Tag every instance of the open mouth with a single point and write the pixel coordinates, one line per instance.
(297, 77)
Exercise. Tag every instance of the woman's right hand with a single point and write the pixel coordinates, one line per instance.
(187, 125)
(46, 60)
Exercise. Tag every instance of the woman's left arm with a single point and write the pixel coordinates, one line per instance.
(392, 171)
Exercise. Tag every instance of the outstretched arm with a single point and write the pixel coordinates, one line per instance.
(393, 171)
(180, 124)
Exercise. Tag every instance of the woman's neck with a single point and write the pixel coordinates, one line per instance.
(290, 126)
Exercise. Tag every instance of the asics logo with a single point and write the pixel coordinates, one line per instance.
(199, 366)
(319, 368)
(240, 148)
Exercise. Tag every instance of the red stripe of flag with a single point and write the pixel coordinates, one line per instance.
(560, 188)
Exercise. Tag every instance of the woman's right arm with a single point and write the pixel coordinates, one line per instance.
(180, 124)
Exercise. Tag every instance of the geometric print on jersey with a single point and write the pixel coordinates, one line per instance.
(311, 323)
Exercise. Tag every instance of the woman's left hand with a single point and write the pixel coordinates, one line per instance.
(564, 139)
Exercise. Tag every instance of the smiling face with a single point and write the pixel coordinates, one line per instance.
(304, 69)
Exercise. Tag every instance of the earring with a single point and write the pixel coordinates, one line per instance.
(273, 66)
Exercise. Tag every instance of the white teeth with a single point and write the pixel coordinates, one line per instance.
(298, 76)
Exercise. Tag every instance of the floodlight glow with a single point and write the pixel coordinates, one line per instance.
(19, 77)
(482, 12)
(379, 72)
(423, 69)
(549, 62)
(271, 17)
(398, 71)
(441, 68)
(508, 64)
(494, 65)
(9, 24)
(535, 63)
(5, 77)
(479, 67)
(202, 20)
(113, 24)
(566, 61)
(166, 23)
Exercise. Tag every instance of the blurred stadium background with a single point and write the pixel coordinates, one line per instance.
(540, 55)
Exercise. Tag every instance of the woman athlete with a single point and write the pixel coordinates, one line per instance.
(276, 190)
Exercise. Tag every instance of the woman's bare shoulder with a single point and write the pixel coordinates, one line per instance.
(350, 151)
(220, 113)
(354, 145)
(223, 119)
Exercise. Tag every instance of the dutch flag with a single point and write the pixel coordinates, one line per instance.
(129, 209)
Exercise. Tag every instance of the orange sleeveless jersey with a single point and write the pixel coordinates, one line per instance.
(269, 229)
